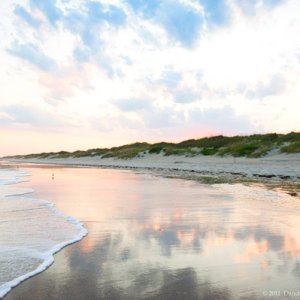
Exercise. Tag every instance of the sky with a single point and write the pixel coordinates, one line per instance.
(86, 74)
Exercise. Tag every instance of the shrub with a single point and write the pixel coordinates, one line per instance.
(174, 151)
(209, 151)
(155, 149)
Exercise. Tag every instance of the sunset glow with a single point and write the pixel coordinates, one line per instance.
(84, 74)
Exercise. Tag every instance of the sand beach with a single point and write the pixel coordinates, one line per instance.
(151, 237)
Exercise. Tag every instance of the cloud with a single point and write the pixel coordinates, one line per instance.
(161, 118)
(250, 8)
(175, 85)
(64, 83)
(182, 22)
(116, 124)
(216, 12)
(221, 120)
(134, 104)
(5, 117)
(275, 86)
(186, 95)
(32, 54)
(27, 17)
(27, 115)
(148, 9)
(85, 55)
(149, 114)
(87, 22)
(49, 10)
(98, 13)
(165, 121)
(170, 78)
(163, 67)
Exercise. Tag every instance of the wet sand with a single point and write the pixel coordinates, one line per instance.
(159, 238)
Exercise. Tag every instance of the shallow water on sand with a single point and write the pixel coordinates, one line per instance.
(31, 231)
(158, 238)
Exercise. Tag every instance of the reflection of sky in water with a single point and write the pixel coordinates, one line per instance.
(167, 239)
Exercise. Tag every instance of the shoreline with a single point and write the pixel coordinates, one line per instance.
(274, 171)
(46, 257)
(159, 233)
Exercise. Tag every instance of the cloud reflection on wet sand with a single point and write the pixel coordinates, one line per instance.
(157, 238)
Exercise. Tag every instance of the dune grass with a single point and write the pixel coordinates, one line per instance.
(292, 148)
(252, 146)
(127, 151)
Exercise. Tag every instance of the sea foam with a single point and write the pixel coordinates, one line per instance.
(31, 230)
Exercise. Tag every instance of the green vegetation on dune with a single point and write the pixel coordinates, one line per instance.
(256, 145)
(127, 151)
(292, 148)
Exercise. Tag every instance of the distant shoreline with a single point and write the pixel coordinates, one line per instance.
(278, 170)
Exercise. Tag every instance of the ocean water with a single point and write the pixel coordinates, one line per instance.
(159, 238)
(32, 230)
